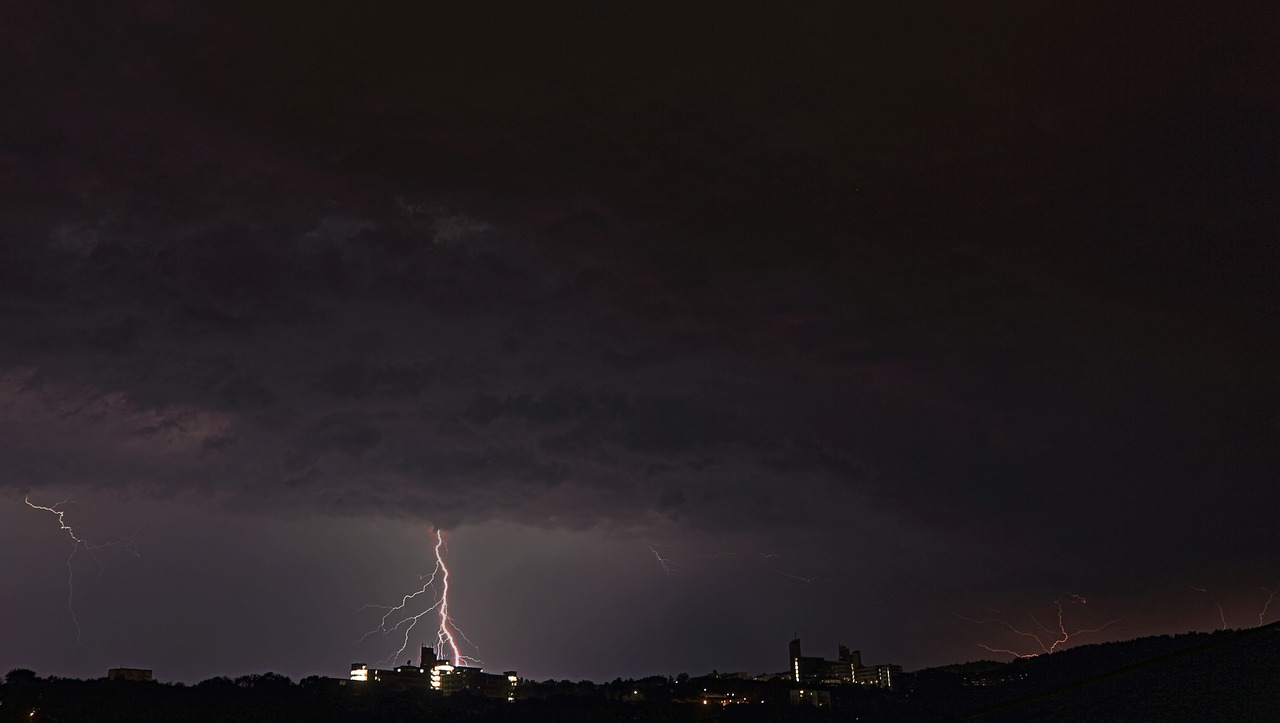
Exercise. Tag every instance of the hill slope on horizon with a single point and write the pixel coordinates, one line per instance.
(1224, 675)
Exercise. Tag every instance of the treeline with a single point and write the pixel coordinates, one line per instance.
(1226, 675)
(271, 697)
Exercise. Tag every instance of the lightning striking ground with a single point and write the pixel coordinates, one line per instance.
(1271, 595)
(443, 633)
(1048, 640)
(447, 627)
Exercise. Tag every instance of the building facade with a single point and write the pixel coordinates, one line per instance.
(847, 669)
(433, 673)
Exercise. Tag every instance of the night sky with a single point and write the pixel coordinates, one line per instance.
(873, 321)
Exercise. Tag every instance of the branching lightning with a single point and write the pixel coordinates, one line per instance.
(76, 544)
(447, 627)
(1048, 640)
(443, 633)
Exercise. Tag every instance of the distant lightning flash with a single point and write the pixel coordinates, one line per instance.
(76, 544)
(664, 563)
(1048, 640)
(1271, 595)
(446, 629)
(671, 569)
(801, 578)
(1221, 615)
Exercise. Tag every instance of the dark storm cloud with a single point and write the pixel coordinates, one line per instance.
(359, 380)
(249, 355)
(619, 277)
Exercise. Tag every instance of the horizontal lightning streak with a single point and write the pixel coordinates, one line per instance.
(801, 578)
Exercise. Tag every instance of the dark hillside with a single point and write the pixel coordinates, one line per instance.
(1227, 675)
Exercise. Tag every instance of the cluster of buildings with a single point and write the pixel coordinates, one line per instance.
(816, 676)
(808, 681)
(846, 669)
(812, 678)
(434, 673)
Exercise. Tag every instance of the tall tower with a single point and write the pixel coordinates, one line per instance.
(428, 658)
(851, 656)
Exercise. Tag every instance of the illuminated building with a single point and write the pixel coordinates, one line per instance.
(402, 677)
(846, 670)
(432, 673)
(878, 675)
(820, 671)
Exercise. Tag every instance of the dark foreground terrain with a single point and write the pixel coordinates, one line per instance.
(1221, 676)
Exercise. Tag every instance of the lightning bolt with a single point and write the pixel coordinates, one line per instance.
(1221, 615)
(1271, 595)
(1048, 640)
(801, 578)
(76, 544)
(664, 563)
(446, 629)
(670, 569)
(773, 556)
(443, 634)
